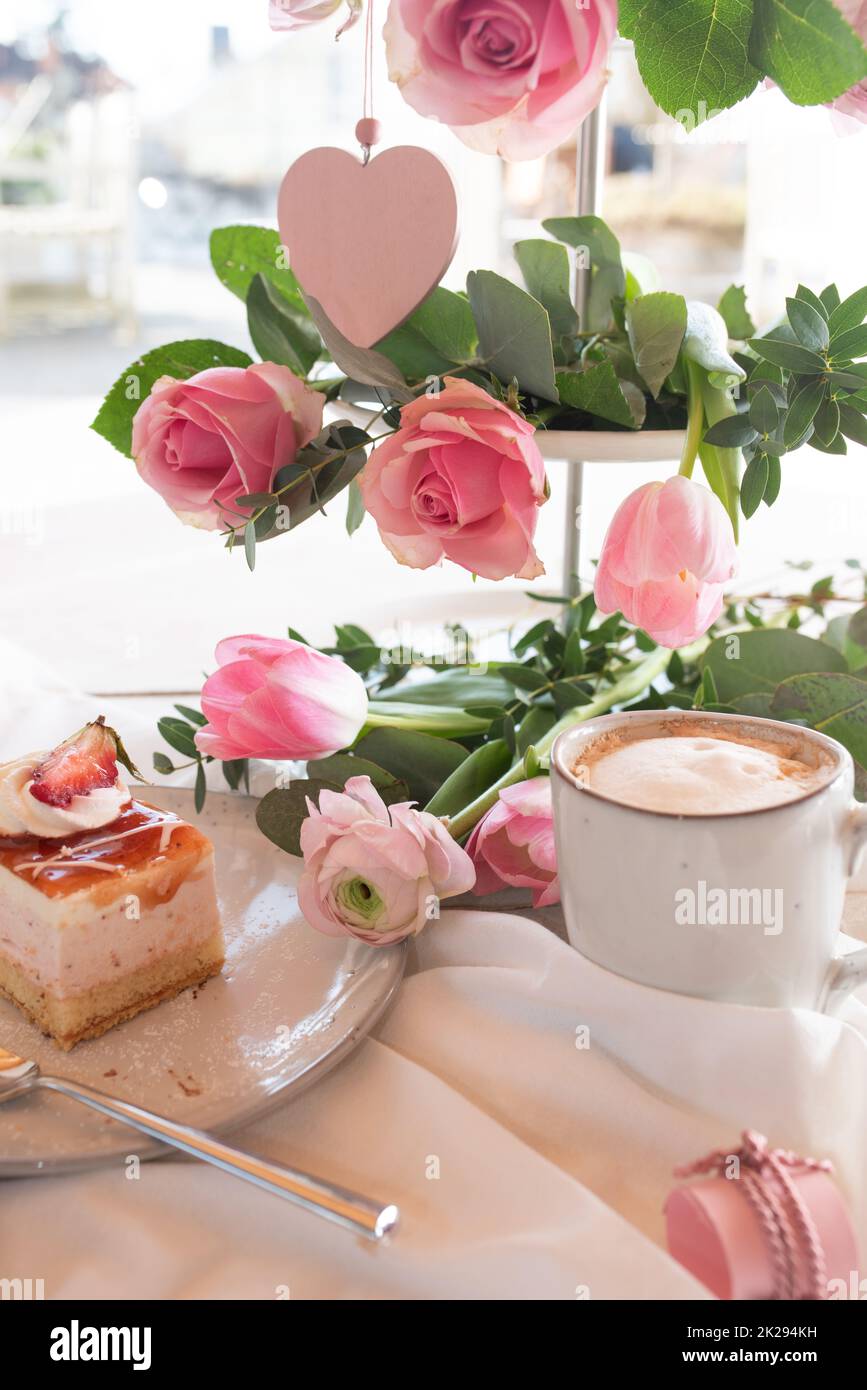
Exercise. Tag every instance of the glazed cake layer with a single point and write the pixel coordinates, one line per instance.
(84, 947)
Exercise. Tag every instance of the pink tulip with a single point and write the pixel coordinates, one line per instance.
(297, 14)
(374, 872)
(275, 698)
(463, 479)
(666, 559)
(511, 77)
(514, 843)
(854, 101)
(224, 432)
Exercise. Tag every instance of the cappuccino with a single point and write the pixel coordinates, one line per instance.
(686, 772)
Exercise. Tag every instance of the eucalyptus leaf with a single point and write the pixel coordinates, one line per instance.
(656, 324)
(545, 268)
(281, 332)
(422, 761)
(281, 812)
(833, 703)
(755, 661)
(514, 333)
(362, 364)
(599, 257)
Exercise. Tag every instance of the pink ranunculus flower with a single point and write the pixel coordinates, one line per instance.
(854, 102)
(297, 14)
(667, 556)
(514, 843)
(463, 479)
(376, 872)
(511, 77)
(276, 698)
(220, 434)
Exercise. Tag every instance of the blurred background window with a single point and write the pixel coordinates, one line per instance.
(127, 133)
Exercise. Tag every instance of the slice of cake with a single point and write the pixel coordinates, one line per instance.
(107, 905)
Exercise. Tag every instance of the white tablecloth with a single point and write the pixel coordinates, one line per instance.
(525, 1166)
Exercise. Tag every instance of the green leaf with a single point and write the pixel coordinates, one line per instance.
(239, 253)
(733, 307)
(784, 353)
(835, 704)
(522, 677)
(810, 327)
(568, 696)
(162, 764)
(757, 661)
(180, 360)
(194, 716)
(545, 268)
(514, 333)
(597, 391)
(445, 319)
(361, 364)
(693, 58)
(807, 48)
(338, 769)
(422, 761)
(281, 813)
(732, 432)
(178, 735)
(753, 484)
(848, 634)
(850, 313)
(201, 788)
(764, 413)
(849, 344)
(853, 424)
(656, 324)
(535, 725)
(320, 471)
(775, 478)
(801, 412)
(280, 331)
(807, 296)
(355, 511)
(471, 778)
(826, 425)
(234, 769)
(599, 256)
(250, 545)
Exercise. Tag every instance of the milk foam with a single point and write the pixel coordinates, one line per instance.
(686, 775)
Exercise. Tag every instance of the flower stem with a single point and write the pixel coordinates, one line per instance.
(443, 721)
(628, 687)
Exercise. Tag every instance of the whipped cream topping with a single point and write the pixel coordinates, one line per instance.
(22, 814)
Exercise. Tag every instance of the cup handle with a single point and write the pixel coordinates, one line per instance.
(848, 972)
(858, 834)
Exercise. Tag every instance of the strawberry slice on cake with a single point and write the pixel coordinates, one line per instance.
(107, 904)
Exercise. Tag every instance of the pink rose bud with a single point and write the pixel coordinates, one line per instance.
(463, 479)
(511, 77)
(276, 698)
(376, 872)
(514, 843)
(668, 554)
(221, 434)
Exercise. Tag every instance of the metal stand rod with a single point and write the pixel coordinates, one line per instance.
(589, 172)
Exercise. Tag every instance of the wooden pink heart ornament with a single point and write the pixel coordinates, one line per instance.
(368, 242)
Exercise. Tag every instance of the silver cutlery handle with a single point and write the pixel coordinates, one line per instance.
(372, 1220)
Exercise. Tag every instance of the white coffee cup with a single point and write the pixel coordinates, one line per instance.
(767, 884)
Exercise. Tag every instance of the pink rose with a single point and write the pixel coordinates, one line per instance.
(514, 843)
(854, 102)
(297, 14)
(224, 432)
(275, 698)
(374, 872)
(511, 77)
(669, 551)
(462, 478)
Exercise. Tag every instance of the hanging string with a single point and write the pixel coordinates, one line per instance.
(367, 132)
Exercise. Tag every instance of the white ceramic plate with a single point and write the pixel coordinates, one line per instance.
(289, 1004)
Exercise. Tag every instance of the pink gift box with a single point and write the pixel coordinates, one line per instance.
(717, 1233)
